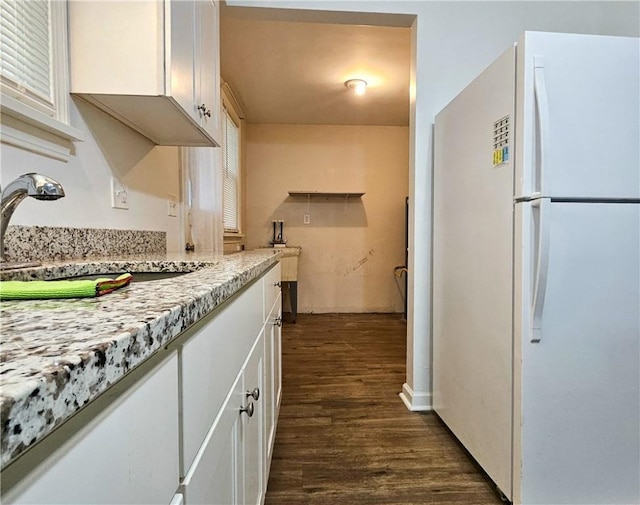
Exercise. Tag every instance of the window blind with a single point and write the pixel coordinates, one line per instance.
(25, 61)
(230, 173)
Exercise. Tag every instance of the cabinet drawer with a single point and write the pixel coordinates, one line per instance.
(272, 285)
(122, 448)
(210, 357)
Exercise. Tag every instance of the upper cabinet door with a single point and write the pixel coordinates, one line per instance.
(180, 18)
(207, 66)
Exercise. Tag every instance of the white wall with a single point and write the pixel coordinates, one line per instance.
(349, 249)
(109, 148)
(452, 43)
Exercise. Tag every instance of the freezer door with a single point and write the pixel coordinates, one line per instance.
(578, 353)
(472, 270)
(578, 122)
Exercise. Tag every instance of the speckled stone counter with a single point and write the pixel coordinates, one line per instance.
(45, 243)
(58, 355)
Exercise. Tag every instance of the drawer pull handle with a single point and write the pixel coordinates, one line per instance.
(255, 394)
(247, 410)
(278, 284)
(278, 321)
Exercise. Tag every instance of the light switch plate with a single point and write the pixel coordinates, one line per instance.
(119, 195)
(172, 205)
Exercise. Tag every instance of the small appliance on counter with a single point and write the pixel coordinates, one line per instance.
(278, 234)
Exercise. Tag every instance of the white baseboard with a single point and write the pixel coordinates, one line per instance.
(415, 402)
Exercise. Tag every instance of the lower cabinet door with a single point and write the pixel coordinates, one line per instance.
(269, 427)
(216, 476)
(254, 426)
(277, 361)
(272, 374)
(121, 449)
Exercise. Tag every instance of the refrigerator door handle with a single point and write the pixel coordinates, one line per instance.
(542, 111)
(540, 209)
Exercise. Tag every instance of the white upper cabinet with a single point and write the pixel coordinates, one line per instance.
(151, 64)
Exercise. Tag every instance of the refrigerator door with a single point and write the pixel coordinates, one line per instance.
(578, 399)
(472, 270)
(578, 121)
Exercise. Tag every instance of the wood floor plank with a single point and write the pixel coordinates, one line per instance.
(345, 437)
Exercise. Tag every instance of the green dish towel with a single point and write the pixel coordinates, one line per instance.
(44, 290)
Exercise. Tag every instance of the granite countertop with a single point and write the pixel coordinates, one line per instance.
(58, 355)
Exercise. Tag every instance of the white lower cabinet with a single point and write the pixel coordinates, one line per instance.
(231, 464)
(272, 361)
(194, 424)
(121, 449)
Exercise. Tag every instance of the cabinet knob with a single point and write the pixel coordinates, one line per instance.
(255, 394)
(247, 410)
(277, 284)
(204, 110)
(278, 321)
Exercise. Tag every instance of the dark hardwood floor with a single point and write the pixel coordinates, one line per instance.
(345, 437)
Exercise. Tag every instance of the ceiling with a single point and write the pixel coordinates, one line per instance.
(282, 71)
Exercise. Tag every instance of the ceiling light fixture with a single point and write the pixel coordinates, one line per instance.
(359, 86)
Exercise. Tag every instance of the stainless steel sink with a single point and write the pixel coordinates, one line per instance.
(137, 276)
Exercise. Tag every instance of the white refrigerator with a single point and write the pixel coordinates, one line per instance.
(536, 270)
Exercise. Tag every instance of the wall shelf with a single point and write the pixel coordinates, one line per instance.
(326, 193)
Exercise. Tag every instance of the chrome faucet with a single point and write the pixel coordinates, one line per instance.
(37, 186)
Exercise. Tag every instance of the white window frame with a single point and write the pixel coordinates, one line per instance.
(228, 108)
(30, 126)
